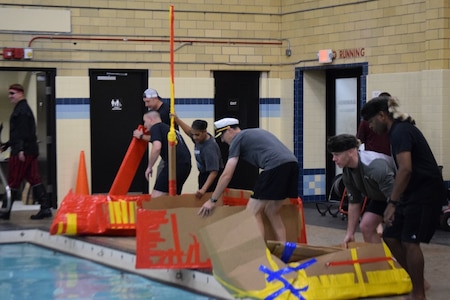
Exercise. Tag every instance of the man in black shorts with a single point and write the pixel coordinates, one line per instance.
(160, 147)
(415, 203)
(277, 181)
(365, 174)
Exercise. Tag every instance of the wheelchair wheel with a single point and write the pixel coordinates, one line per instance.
(322, 208)
(333, 209)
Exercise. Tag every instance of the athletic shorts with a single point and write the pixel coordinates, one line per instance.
(203, 176)
(162, 181)
(414, 223)
(278, 183)
(376, 207)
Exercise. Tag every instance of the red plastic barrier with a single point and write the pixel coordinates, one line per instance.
(97, 214)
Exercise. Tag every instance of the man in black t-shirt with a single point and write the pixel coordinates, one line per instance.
(415, 203)
(160, 147)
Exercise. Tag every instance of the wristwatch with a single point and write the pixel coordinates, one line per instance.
(213, 200)
(395, 203)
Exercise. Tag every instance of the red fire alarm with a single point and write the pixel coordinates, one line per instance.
(18, 53)
(8, 53)
(13, 53)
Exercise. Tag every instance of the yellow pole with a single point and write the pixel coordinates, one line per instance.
(172, 137)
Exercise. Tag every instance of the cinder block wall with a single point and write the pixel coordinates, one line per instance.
(405, 45)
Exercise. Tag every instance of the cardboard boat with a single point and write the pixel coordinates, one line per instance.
(248, 267)
(167, 230)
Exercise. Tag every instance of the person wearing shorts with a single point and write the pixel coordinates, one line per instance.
(160, 148)
(207, 155)
(415, 203)
(277, 181)
(365, 174)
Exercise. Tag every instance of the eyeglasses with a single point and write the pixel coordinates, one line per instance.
(12, 93)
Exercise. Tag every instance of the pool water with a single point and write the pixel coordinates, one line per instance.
(28, 271)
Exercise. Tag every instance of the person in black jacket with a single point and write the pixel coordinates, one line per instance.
(23, 161)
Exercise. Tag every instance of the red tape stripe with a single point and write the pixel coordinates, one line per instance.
(358, 261)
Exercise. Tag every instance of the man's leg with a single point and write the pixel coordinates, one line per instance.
(256, 207)
(368, 227)
(273, 213)
(16, 174)
(40, 193)
(415, 262)
(397, 250)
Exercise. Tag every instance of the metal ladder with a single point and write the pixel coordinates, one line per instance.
(4, 183)
(7, 192)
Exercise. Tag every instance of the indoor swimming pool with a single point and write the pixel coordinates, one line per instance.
(28, 271)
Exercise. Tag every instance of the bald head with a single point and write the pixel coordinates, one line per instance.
(150, 118)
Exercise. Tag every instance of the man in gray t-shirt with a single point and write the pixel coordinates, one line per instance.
(365, 174)
(277, 181)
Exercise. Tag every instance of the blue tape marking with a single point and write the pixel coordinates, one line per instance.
(289, 248)
(278, 275)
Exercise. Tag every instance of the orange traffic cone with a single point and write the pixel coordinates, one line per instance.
(82, 182)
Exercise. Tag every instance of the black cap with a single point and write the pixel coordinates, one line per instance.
(374, 106)
(342, 142)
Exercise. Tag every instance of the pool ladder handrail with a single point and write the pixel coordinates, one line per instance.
(7, 192)
(5, 182)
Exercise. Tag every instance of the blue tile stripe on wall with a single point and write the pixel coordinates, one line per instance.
(78, 108)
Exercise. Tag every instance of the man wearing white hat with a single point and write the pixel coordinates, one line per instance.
(277, 181)
(153, 101)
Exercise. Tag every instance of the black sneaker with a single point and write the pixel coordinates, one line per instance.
(42, 214)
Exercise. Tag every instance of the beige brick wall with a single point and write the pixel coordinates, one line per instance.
(397, 37)
(219, 34)
(405, 45)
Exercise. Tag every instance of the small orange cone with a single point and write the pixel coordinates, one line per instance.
(82, 182)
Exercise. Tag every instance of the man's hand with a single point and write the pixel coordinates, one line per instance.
(389, 215)
(148, 173)
(21, 156)
(207, 208)
(348, 238)
(137, 133)
(199, 194)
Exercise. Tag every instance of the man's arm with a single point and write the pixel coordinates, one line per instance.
(141, 135)
(402, 178)
(384, 176)
(154, 154)
(354, 213)
(223, 182)
(355, 199)
(212, 175)
(186, 128)
(403, 175)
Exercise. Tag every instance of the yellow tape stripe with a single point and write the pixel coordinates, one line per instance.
(124, 209)
(132, 210)
(71, 224)
(60, 228)
(358, 270)
(112, 219)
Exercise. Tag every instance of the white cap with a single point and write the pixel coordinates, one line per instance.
(223, 124)
(150, 93)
